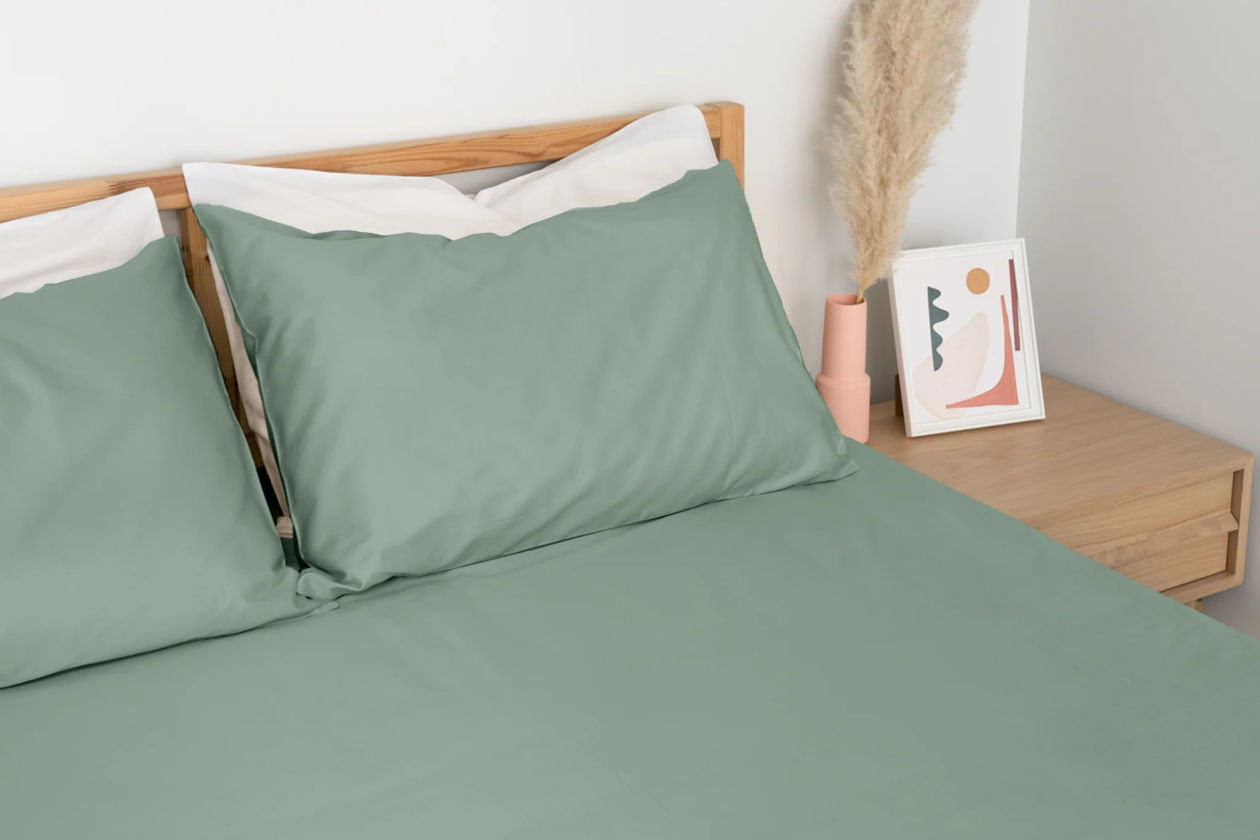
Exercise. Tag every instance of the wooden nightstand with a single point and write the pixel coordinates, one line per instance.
(1160, 503)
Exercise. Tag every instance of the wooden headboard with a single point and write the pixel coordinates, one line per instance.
(435, 156)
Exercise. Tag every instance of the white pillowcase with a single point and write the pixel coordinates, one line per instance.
(646, 155)
(85, 239)
(317, 202)
(625, 166)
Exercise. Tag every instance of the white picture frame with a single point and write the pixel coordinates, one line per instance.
(976, 364)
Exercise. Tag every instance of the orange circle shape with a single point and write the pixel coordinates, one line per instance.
(977, 281)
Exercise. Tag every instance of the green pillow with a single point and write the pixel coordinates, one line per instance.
(130, 514)
(437, 402)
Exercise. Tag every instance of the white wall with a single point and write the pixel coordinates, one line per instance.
(1140, 199)
(93, 88)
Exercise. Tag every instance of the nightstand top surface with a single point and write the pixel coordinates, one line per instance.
(1088, 447)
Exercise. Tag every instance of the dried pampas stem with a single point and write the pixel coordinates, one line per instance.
(902, 64)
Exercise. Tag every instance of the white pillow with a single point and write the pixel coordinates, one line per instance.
(625, 166)
(317, 202)
(85, 239)
(646, 155)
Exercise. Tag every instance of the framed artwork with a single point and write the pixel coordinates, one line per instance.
(966, 346)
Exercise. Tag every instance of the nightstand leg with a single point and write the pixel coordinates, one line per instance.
(1196, 604)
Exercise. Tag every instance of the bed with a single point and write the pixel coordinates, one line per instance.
(872, 657)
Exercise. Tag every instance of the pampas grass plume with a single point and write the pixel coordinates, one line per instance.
(903, 60)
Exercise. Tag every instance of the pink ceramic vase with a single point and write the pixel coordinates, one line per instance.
(843, 382)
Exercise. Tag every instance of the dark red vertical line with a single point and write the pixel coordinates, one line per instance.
(1014, 304)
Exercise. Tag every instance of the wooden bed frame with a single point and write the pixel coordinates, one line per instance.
(436, 156)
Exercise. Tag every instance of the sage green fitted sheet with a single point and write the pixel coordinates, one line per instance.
(876, 657)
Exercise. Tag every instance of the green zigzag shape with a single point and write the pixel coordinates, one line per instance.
(935, 315)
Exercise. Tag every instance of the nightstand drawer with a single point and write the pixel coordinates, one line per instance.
(1118, 533)
(1162, 539)
(1180, 564)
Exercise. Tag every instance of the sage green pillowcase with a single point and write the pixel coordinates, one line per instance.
(130, 514)
(438, 402)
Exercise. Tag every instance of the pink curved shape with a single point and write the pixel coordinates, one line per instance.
(1005, 392)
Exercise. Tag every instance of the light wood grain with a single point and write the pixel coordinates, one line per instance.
(1183, 563)
(1147, 522)
(1157, 501)
(1127, 549)
(433, 156)
(728, 137)
(201, 280)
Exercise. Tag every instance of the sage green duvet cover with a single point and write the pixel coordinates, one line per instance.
(876, 657)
